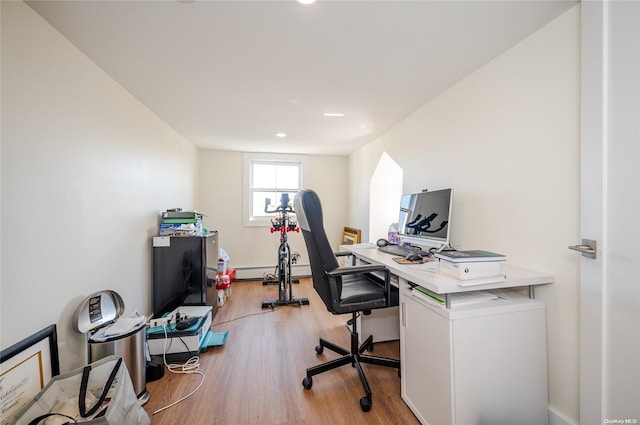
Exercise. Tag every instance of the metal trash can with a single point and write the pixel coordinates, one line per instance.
(97, 312)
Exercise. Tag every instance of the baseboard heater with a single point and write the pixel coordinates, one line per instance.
(251, 273)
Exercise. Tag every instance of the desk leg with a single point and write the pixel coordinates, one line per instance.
(447, 301)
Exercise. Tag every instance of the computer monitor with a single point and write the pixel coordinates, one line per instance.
(425, 218)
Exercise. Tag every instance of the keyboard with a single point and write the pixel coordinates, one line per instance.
(402, 251)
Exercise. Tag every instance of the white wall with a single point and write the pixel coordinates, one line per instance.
(506, 138)
(86, 169)
(220, 197)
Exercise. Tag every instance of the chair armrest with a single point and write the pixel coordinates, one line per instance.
(363, 268)
(342, 253)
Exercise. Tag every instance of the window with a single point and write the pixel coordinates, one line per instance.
(267, 178)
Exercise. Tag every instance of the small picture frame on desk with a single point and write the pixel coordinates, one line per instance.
(25, 368)
(351, 236)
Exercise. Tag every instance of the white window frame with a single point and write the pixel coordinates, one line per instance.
(248, 160)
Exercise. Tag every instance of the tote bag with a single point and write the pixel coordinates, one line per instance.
(101, 394)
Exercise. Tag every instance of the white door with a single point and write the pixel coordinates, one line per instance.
(610, 213)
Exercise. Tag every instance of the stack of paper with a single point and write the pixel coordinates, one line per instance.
(462, 298)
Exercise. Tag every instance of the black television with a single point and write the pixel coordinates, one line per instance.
(425, 218)
(180, 272)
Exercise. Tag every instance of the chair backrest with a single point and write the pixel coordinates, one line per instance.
(321, 256)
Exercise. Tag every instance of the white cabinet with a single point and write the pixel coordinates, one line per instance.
(425, 362)
(482, 363)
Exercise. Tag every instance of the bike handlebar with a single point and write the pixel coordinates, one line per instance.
(281, 208)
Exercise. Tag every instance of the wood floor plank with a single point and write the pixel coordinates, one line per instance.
(256, 376)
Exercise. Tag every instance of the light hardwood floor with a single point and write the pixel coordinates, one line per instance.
(256, 376)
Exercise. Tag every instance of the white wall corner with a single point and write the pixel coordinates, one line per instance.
(556, 418)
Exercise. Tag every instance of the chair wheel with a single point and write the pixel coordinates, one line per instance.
(307, 382)
(365, 404)
(319, 349)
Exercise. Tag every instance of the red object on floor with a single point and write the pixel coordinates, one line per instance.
(232, 274)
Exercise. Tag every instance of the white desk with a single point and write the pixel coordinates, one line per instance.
(476, 363)
(516, 276)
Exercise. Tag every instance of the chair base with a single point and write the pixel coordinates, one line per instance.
(353, 357)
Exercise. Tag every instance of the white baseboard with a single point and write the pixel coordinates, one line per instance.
(298, 270)
(556, 418)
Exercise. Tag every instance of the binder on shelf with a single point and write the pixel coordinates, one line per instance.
(471, 256)
(426, 295)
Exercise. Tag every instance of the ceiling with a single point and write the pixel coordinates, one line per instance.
(231, 74)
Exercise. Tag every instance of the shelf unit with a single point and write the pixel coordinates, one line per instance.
(473, 364)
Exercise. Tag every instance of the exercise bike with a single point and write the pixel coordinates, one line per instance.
(284, 224)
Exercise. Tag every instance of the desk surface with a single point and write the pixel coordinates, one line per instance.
(516, 276)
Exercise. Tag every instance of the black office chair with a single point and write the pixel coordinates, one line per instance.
(350, 289)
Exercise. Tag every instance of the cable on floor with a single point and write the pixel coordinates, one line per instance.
(242, 317)
(190, 367)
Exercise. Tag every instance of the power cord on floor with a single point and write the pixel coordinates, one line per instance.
(190, 367)
(246, 315)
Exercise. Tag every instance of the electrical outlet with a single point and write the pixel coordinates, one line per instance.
(160, 321)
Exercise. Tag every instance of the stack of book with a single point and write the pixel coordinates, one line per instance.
(176, 222)
(468, 268)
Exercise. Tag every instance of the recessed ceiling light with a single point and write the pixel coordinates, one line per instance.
(281, 135)
(333, 114)
(306, 2)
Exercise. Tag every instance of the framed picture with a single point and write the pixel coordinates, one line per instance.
(350, 236)
(25, 368)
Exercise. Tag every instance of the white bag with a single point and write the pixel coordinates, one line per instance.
(104, 381)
